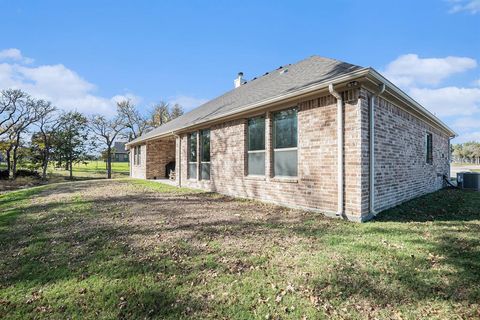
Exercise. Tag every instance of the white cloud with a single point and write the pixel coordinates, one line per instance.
(411, 70)
(448, 101)
(476, 83)
(58, 84)
(467, 137)
(15, 55)
(471, 6)
(466, 123)
(188, 103)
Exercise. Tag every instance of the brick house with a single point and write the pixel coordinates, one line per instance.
(320, 134)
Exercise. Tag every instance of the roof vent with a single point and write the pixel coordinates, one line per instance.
(283, 71)
(239, 80)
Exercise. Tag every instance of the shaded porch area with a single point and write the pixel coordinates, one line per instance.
(160, 159)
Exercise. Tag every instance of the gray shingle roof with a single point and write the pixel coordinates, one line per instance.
(119, 147)
(283, 80)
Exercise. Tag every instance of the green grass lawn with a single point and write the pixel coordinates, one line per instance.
(130, 249)
(100, 167)
(81, 171)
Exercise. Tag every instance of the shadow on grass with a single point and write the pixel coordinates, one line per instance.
(443, 205)
(434, 257)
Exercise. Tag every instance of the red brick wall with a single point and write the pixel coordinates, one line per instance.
(159, 154)
(316, 185)
(401, 172)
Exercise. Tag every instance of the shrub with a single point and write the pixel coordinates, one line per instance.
(4, 174)
(27, 173)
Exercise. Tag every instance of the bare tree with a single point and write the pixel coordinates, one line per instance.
(12, 109)
(47, 125)
(27, 112)
(132, 119)
(108, 131)
(160, 114)
(177, 111)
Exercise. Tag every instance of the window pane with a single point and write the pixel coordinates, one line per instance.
(192, 170)
(285, 129)
(205, 171)
(256, 134)
(429, 148)
(285, 163)
(205, 145)
(256, 163)
(192, 143)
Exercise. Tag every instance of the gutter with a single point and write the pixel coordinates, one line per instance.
(371, 147)
(340, 167)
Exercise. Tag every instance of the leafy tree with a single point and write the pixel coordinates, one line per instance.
(71, 139)
(47, 124)
(467, 152)
(106, 130)
(27, 112)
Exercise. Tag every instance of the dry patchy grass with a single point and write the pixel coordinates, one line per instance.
(134, 249)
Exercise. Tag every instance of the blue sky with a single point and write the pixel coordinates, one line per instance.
(87, 54)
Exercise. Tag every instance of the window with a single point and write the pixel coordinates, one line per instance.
(256, 146)
(429, 149)
(192, 155)
(285, 143)
(205, 155)
(137, 155)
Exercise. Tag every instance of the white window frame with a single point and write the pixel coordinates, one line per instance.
(275, 150)
(264, 151)
(188, 156)
(201, 154)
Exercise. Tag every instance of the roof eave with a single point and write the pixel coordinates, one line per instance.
(381, 79)
(364, 72)
(317, 86)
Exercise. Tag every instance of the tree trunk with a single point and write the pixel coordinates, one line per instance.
(9, 160)
(45, 165)
(15, 157)
(109, 162)
(14, 164)
(70, 166)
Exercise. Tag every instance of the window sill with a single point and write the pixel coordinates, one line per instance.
(256, 178)
(285, 179)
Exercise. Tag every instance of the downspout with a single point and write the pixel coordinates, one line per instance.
(178, 167)
(371, 147)
(340, 168)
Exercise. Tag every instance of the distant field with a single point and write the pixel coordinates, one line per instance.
(463, 164)
(100, 167)
(81, 171)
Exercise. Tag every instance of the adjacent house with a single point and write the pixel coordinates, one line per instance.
(319, 134)
(120, 153)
